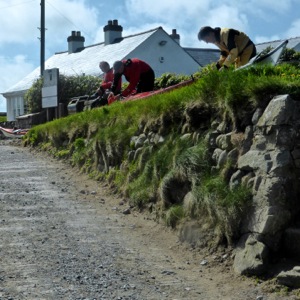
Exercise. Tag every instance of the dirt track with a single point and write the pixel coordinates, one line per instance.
(63, 236)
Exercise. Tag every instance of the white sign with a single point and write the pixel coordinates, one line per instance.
(50, 88)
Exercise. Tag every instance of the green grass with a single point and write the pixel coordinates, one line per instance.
(224, 207)
(174, 215)
(225, 92)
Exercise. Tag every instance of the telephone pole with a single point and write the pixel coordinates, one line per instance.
(43, 29)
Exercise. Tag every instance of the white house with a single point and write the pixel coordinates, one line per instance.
(161, 50)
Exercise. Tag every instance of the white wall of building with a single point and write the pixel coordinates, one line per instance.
(14, 105)
(165, 55)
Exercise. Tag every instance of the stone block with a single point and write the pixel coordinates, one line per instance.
(251, 258)
(224, 141)
(280, 111)
(290, 278)
(267, 220)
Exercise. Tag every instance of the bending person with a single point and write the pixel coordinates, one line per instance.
(106, 84)
(137, 72)
(236, 47)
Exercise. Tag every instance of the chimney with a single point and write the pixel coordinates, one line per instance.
(75, 42)
(112, 32)
(175, 36)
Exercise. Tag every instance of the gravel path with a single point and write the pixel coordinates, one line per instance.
(63, 236)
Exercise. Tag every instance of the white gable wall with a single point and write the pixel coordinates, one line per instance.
(169, 58)
(15, 105)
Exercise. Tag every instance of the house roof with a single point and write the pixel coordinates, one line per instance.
(204, 56)
(87, 60)
(294, 43)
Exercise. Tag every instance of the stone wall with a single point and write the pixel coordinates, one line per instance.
(265, 158)
(269, 163)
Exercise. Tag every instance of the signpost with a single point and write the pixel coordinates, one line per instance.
(50, 90)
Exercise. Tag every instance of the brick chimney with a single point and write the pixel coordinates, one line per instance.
(112, 32)
(175, 36)
(75, 42)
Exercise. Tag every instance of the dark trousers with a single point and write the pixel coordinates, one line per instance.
(146, 83)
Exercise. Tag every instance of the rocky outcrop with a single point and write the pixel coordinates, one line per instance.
(273, 161)
(265, 158)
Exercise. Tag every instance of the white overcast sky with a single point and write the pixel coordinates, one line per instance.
(262, 20)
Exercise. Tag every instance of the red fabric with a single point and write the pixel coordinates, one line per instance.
(132, 73)
(111, 99)
(108, 80)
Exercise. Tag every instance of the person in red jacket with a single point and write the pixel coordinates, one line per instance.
(137, 72)
(108, 79)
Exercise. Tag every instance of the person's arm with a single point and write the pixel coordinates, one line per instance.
(107, 80)
(221, 60)
(233, 50)
(106, 85)
(134, 78)
(116, 83)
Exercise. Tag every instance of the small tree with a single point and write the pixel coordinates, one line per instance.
(288, 55)
(68, 87)
(33, 97)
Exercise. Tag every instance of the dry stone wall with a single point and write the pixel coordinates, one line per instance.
(266, 159)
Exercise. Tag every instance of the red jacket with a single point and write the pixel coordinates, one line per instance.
(108, 80)
(132, 71)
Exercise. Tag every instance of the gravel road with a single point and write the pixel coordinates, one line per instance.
(64, 236)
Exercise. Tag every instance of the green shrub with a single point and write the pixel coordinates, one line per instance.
(68, 87)
(3, 119)
(169, 79)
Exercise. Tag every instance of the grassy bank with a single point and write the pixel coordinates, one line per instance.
(173, 176)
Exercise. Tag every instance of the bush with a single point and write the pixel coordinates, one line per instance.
(68, 87)
(169, 79)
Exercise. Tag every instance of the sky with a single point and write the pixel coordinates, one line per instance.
(262, 20)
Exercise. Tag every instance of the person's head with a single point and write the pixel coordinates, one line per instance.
(207, 34)
(104, 66)
(118, 67)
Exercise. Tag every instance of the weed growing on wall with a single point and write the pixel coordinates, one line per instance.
(223, 207)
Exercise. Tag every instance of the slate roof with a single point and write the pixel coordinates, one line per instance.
(294, 43)
(86, 61)
(204, 56)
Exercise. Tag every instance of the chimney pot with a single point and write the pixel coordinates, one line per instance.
(75, 42)
(175, 36)
(112, 32)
